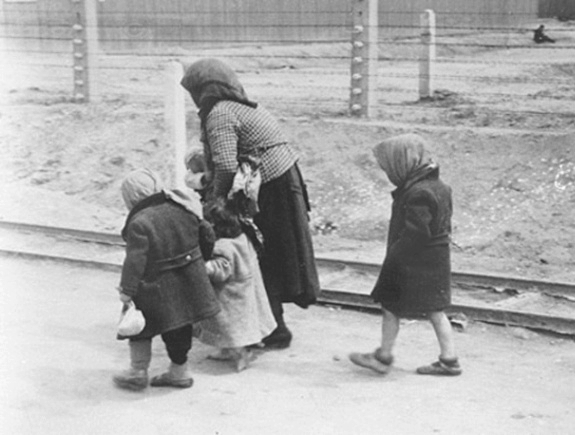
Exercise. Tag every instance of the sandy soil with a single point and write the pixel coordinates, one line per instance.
(57, 328)
(504, 135)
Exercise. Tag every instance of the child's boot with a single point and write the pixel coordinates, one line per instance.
(177, 376)
(242, 358)
(373, 361)
(136, 377)
(223, 354)
(442, 367)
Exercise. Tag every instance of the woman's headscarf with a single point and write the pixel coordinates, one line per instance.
(404, 158)
(138, 185)
(209, 81)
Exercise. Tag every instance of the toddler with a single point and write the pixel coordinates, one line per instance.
(246, 317)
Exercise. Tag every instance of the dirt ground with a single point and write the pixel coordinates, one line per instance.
(57, 329)
(504, 135)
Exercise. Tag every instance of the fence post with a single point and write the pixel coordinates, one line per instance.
(85, 47)
(363, 87)
(175, 117)
(427, 59)
(80, 53)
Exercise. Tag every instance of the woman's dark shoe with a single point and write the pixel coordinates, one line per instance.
(280, 338)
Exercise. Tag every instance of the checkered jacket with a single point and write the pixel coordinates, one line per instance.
(233, 129)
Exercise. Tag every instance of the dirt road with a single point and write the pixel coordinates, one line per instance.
(59, 352)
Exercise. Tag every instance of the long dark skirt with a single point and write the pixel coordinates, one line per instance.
(288, 263)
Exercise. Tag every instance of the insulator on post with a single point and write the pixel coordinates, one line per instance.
(358, 44)
(79, 82)
(77, 27)
(78, 41)
(78, 55)
(356, 107)
(358, 29)
(356, 76)
(356, 91)
(79, 68)
(357, 60)
(79, 96)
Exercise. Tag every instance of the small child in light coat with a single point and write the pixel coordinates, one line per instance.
(246, 317)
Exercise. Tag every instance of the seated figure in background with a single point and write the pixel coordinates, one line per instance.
(539, 35)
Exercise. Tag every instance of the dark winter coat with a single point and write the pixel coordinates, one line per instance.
(415, 277)
(164, 268)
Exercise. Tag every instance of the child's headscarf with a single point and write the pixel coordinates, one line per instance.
(209, 81)
(404, 157)
(138, 185)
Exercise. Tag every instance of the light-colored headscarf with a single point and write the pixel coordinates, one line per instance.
(403, 157)
(138, 185)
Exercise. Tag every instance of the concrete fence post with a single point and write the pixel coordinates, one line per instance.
(364, 53)
(175, 117)
(84, 48)
(80, 53)
(427, 58)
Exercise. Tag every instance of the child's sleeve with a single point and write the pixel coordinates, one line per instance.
(219, 269)
(207, 239)
(137, 246)
(418, 217)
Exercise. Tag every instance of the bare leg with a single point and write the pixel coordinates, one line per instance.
(389, 332)
(448, 364)
(381, 359)
(444, 334)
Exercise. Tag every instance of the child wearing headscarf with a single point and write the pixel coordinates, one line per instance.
(415, 276)
(246, 317)
(164, 274)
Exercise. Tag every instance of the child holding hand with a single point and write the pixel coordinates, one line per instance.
(164, 275)
(246, 317)
(415, 276)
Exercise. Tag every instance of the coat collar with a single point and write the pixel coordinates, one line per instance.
(430, 171)
(155, 199)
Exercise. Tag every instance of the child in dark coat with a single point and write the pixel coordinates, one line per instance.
(164, 274)
(415, 276)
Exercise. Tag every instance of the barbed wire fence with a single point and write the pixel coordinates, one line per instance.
(475, 71)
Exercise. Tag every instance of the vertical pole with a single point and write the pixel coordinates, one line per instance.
(427, 59)
(80, 53)
(364, 58)
(175, 116)
(92, 43)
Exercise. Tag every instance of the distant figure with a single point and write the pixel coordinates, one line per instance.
(540, 37)
(415, 276)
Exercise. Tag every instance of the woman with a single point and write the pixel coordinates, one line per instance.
(235, 129)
